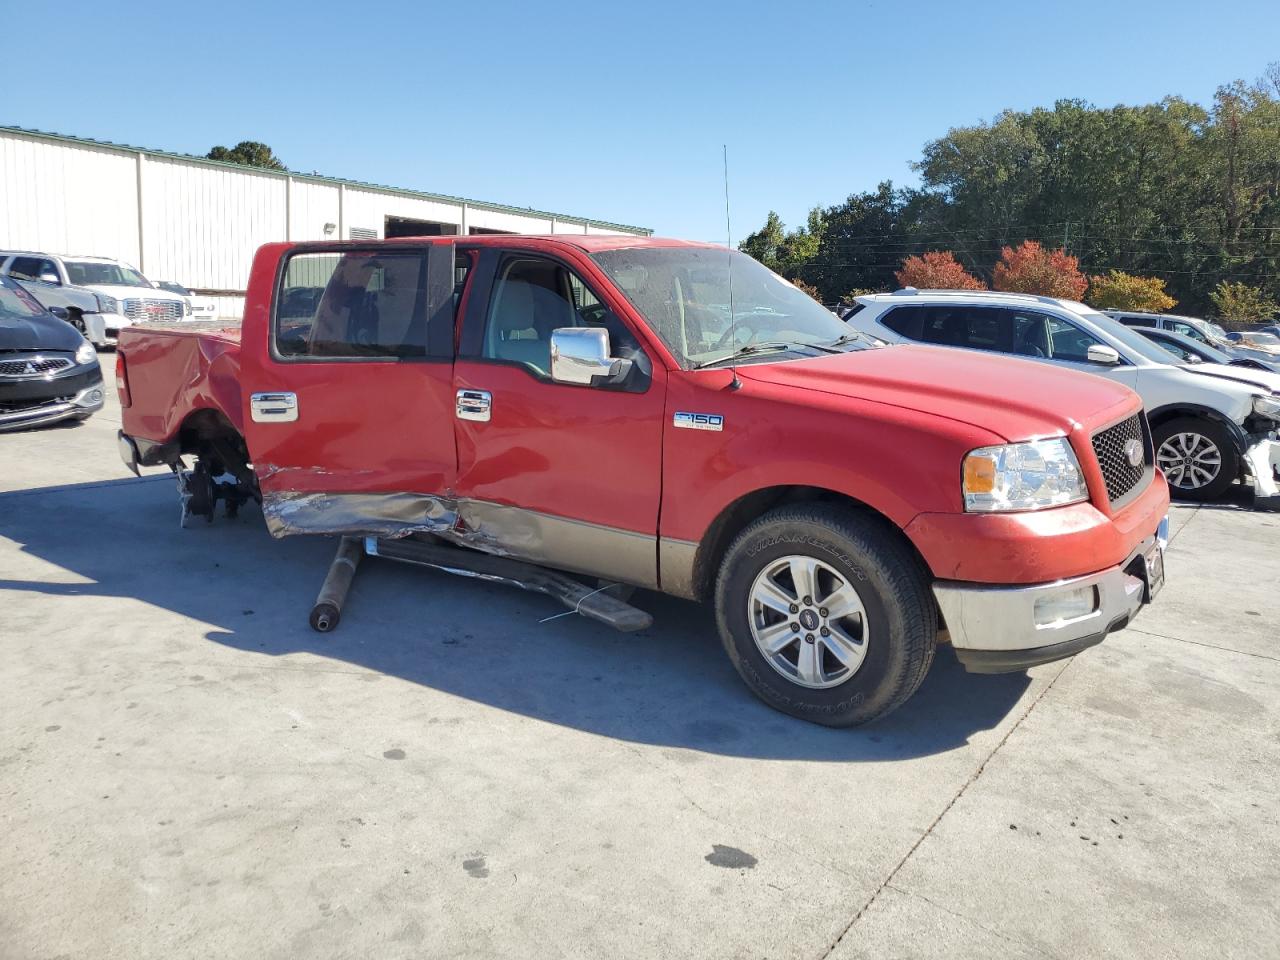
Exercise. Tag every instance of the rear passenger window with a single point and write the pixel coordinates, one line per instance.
(978, 328)
(355, 304)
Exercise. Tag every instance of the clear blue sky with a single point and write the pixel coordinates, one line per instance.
(604, 109)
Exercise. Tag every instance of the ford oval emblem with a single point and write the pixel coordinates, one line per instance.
(1133, 451)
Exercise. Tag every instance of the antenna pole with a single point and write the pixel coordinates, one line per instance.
(735, 383)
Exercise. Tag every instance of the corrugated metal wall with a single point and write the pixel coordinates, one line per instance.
(197, 223)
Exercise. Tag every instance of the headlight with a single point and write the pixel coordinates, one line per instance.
(1268, 407)
(1022, 476)
(86, 354)
(107, 304)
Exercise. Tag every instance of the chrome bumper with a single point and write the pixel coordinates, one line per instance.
(996, 630)
(85, 403)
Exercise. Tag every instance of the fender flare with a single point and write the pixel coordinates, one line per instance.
(1239, 439)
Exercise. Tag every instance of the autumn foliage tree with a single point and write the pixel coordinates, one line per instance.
(1117, 290)
(937, 270)
(1030, 268)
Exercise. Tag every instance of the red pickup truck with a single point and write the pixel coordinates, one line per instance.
(671, 416)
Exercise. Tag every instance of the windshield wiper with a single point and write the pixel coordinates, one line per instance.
(769, 346)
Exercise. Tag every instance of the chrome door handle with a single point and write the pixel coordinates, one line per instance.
(273, 407)
(474, 405)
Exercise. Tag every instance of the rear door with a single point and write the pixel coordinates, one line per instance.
(348, 412)
(566, 475)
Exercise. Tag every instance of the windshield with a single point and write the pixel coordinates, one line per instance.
(84, 273)
(1264, 339)
(172, 287)
(685, 294)
(1199, 349)
(1130, 338)
(1218, 331)
(16, 304)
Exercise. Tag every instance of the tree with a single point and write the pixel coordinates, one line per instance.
(806, 288)
(248, 153)
(1242, 304)
(1029, 268)
(937, 270)
(1117, 290)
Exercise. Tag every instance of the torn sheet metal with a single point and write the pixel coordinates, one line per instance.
(492, 528)
(357, 514)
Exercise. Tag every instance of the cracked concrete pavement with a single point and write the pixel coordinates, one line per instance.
(187, 770)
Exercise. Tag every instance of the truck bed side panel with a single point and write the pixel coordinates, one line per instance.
(173, 373)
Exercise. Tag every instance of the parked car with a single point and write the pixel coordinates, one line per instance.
(605, 406)
(120, 295)
(48, 371)
(1266, 343)
(1203, 330)
(1209, 429)
(1190, 350)
(202, 308)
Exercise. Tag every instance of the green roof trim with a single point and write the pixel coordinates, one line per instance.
(318, 178)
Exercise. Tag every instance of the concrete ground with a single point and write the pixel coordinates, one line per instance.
(187, 770)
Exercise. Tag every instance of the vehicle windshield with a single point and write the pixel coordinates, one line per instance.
(1218, 331)
(172, 287)
(685, 294)
(1203, 350)
(1130, 338)
(85, 273)
(16, 304)
(1263, 339)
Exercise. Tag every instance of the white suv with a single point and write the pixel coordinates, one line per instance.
(102, 296)
(1210, 423)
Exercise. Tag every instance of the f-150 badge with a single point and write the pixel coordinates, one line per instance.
(698, 421)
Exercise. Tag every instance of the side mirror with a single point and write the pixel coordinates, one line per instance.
(580, 355)
(62, 313)
(50, 278)
(1107, 356)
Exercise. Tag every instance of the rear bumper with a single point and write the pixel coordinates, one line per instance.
(1002, 629)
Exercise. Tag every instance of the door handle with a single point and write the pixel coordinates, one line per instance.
(273, 407)
(474, 405)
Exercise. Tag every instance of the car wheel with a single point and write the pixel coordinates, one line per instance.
(826, 614)
(1197, 457)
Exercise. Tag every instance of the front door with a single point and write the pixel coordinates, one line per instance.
(565, 475)
(348, 412)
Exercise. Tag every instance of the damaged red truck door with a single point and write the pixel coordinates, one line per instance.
(350, 405)
(547, 470)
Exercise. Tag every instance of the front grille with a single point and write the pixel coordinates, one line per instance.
(142, 309)
(36, 366)
(1120, 476)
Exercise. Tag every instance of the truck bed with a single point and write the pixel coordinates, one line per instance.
(176, 369)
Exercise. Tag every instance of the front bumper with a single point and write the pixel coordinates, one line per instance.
(112, 324)
(82, 404)
(996, 629)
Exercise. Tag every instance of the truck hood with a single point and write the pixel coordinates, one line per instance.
(1264, 380)
(132, 293)
(1013, 398)
(38, 333)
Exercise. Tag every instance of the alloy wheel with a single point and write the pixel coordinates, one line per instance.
(1189, 460)
(808, 621)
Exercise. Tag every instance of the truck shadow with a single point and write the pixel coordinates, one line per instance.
(671, 685)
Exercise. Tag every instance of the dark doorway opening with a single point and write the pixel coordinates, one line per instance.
(404, 227)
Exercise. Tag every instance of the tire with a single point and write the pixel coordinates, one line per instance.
(897, 624)
(1186, 448)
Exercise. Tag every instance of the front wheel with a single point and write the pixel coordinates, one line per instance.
(826, 614)
(1197, 457)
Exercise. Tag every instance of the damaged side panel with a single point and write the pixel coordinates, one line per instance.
(493, 528)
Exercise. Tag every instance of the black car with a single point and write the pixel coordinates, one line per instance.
(48, 371)
(1196, 351)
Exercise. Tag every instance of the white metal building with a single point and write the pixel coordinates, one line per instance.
(198, 222)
